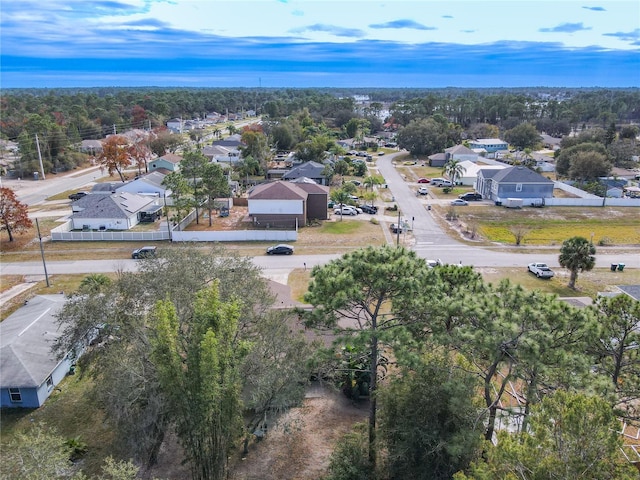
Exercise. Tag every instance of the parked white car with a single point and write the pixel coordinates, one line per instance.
(345, 210)
(540, 270)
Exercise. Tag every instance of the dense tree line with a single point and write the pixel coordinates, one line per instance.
(50, 124)
(443, 351)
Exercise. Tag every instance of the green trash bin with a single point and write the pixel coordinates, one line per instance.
(614, 267)
(620, 267)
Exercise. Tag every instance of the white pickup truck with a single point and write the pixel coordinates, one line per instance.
(540, 270)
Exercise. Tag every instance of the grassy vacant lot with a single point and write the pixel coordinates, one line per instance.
(610, 226)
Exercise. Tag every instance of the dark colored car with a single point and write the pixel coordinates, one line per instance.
(77, 196)
(281, 249)
(144, 252)
(470, 196)
(372, 209)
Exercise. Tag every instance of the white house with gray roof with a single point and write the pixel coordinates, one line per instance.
(29, 370)
(120, 211)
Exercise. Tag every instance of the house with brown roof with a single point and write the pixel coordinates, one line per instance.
(317, 198)
(283, 204)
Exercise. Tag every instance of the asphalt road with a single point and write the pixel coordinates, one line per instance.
(430, 241)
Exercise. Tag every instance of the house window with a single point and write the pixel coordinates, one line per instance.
(518, 187)
(14, 395)
(49, 383)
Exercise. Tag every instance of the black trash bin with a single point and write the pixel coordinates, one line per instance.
(614, 267)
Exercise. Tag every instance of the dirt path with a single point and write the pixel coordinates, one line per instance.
(299, 445)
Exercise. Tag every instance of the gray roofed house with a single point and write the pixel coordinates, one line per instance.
(107, 188)
(119, 211)
(514, 182)
(460, 152)
(312, 170)
(437, 160)
(632, 290)
(91, 146)
(149, 184)
(29, 370)
(225, 155)
(234, 140)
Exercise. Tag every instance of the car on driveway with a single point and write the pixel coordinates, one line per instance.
(458, 202)
(144, 252)
(372, 209)
(345, 210)
(470, 196)
(540, 270)
(423, 190)
(281, 249)
(423, 180)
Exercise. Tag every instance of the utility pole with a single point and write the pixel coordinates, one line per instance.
(40, 156)
(398, 228)
(46, 276)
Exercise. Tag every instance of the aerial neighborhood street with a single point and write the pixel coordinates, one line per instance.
(430, 240)
(319, 240)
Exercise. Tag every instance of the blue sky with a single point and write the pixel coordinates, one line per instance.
(328, 43)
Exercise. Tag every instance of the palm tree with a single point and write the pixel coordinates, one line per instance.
(341, 197)
(576, 254)
(453, 170)
(372, 180)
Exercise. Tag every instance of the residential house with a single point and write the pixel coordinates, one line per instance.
(233, 141)
(489, 145)
(514, 182)
(91, 147)
(437, 160)
(278, 204)
(169, 161)
(313, 170)
(457, 152)
(120, 211)
(461, 153)
(614, 186)
(221, 154)
(106, 188)
(175, 125)
(149, 184)
(29, 370)
(317, 199)
(471, 169)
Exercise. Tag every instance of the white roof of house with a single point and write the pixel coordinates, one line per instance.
(488, 141)
(471, 169)
(26, 338)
